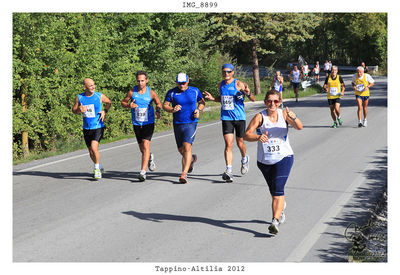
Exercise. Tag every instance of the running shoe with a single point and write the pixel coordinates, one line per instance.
(273, 228)
(97, 174)
(245, 166)
(365, 123)
(142, 176)
(227, 176)
(334, 125)
(360, 125)
(151, 165)
(340, 121)
(183, 178)
(194, 159)
(282, 218)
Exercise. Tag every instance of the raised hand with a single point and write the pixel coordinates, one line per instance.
(290, 113)
(82, 108)
(264, 137)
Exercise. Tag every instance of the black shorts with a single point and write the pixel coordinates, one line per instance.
(296, 85)
(92, 134)
(143, 132)
(333, 101)
(230, 126)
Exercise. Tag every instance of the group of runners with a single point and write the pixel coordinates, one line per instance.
(269, 127)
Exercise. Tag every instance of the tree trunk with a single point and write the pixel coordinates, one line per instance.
(25, 144)
(256, 72)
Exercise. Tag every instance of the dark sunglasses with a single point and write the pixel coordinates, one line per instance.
(181, 83)
(274, 101)
(226, 72)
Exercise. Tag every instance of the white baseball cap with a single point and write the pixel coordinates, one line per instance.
(182, 77)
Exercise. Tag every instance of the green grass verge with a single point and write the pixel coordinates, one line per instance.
(206, 116)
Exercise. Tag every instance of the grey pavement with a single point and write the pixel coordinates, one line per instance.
(61, 215)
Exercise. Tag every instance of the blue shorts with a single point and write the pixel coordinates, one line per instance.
(363, 98)
(185, 132)
(277, 174)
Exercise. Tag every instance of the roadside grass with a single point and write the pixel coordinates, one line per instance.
(211, 113)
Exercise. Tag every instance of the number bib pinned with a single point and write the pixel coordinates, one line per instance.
(90, 112)
(272, 148)
(333, 91)
(360, 87)
(227, 102)
(141, 114)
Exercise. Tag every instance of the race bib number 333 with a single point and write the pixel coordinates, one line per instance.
(272, 148)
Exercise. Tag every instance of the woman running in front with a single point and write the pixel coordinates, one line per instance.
(274, 154)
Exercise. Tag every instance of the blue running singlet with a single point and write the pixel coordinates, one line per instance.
(144, 113)
(91, 118)
(232, 102)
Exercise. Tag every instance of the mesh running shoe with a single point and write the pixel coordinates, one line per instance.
(340, 121)
(273, 228)
(142, 176)
(360, 125)
(334, 125)
(282, 218)
(194, 159)
(245, 166)
(183, 178)
(365, 124)
(97, 174)
(151, 165)
(227, 176)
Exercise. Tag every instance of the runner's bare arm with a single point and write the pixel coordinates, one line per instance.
(125, 102)
(292, 119)
(254, 124)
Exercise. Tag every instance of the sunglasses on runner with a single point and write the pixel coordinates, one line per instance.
(226, 72)
(274, 101)
(181, 83)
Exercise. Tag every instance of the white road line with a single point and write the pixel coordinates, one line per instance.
(321, 226)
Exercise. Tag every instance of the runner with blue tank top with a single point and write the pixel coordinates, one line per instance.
(89, 104)
(186, 103)
(232, 93)
(140, 100)
(274, 153)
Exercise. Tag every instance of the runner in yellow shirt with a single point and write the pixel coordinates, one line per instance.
(362, 82)
(334, 87)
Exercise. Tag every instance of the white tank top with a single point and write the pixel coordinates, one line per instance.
(277, 84)
(296, 76)
(278, 146)
(316, 69)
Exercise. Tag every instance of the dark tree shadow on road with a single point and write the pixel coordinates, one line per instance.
(158, 217)
(365, 197)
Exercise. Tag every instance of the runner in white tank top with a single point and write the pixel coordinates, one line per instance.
(274, 155)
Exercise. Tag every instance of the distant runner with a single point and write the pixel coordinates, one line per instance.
(277, 83)
(90, 104)
(334, 87)
(295, 76)
(362, 82)
(140, 100)
(274, 153)
(316, 71)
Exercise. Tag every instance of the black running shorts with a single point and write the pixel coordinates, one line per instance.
(143, 132)
(92, 134)
(230, 126)
(333, 101)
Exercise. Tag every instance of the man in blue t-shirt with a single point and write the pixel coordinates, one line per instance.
(185, 102)
(90, 104)
(232, 93)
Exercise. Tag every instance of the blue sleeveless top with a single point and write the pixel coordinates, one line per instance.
(144, 113)
(232, 102)
(91, 118)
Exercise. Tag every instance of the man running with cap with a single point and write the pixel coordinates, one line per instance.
(141, 99)
(232, 95)
(90, 104)
(186, 103)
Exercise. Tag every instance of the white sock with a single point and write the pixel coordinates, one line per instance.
(142, 172)
(244, 159)
(229, 168)
(96, 166)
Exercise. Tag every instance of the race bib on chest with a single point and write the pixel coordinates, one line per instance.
(272, 148)
(333, 91)
(227, 102)
(141, 114)
(90, 112)
(360, 87)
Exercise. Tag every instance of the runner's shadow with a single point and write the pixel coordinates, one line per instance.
(57, 175)
(158, 217)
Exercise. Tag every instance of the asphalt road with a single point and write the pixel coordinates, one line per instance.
(60, 214)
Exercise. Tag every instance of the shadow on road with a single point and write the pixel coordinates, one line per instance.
(158, 217)
(365, 198)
